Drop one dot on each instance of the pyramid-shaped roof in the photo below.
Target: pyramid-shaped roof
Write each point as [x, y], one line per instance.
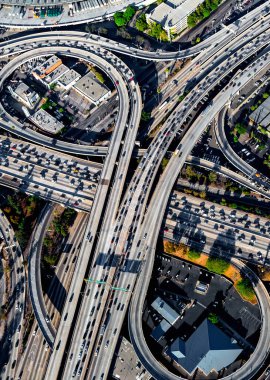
[207, 348]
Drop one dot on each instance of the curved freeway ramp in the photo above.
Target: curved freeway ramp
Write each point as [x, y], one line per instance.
[227, 173]
[151, 225]
[34, 279]
[229, 152]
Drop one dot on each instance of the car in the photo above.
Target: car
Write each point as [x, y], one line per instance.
[34, 332]
[47, 319]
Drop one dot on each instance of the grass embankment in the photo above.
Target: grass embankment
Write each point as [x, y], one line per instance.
[216, 265]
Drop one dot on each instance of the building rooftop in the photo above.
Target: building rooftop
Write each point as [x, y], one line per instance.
[69, 77]
[160, 330]
[127, 364]
[25, 94]
[90, 87]
[56, 73]
[208, 348]
[47, 67]
[46, 122]
[170, 13]
[261, 115]
[165, 310]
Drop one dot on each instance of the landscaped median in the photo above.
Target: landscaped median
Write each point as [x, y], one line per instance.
[216, 265]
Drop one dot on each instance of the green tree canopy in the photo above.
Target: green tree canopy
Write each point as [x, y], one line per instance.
[129, 13]
[213, 318]
[141, 23]
[245, 288]
[193, 254]
[119, 19]
[217, 265]
[212, 177]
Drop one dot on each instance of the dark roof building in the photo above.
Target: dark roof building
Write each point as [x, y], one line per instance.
[160, 330]
[208, 348]
[261, 116]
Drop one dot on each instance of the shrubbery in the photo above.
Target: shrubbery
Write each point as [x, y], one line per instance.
[141, 23]
[217, 265]
[193, 254]
[245, 288]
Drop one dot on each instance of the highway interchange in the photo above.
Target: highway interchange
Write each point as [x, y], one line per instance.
[120, 237]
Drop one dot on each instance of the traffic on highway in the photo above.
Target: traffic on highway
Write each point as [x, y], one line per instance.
[126, 199]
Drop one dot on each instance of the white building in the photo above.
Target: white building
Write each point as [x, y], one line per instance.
[68, 79]
[24, 94]
[43, 120]
[91, 88]
[173, 14]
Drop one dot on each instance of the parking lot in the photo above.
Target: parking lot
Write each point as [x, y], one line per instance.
[176, 282]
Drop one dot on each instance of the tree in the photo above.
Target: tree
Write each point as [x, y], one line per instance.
[265, 95]
[141, 23]
[203, 194]
[212, 177]
[155, 30]
[191, 20]
[98, 75]
[245, 289]
[190, 172]
[145, 116]
[193, 254]
[119, 19]
[102, 30]
[129, 13]
[240, 128]
[217, 265]
[164, 163]
[50, 259]
[213, 318]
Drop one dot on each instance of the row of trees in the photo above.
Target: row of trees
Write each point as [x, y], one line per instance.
[202, 11]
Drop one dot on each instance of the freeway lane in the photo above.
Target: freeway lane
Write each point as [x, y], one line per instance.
[34, 276]
[107, 228]
[100, 364]
[99, 202]
[195, 222]
[152, 223]
[35, 358]
[152, 161]
[13, 337]
[224, 35]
